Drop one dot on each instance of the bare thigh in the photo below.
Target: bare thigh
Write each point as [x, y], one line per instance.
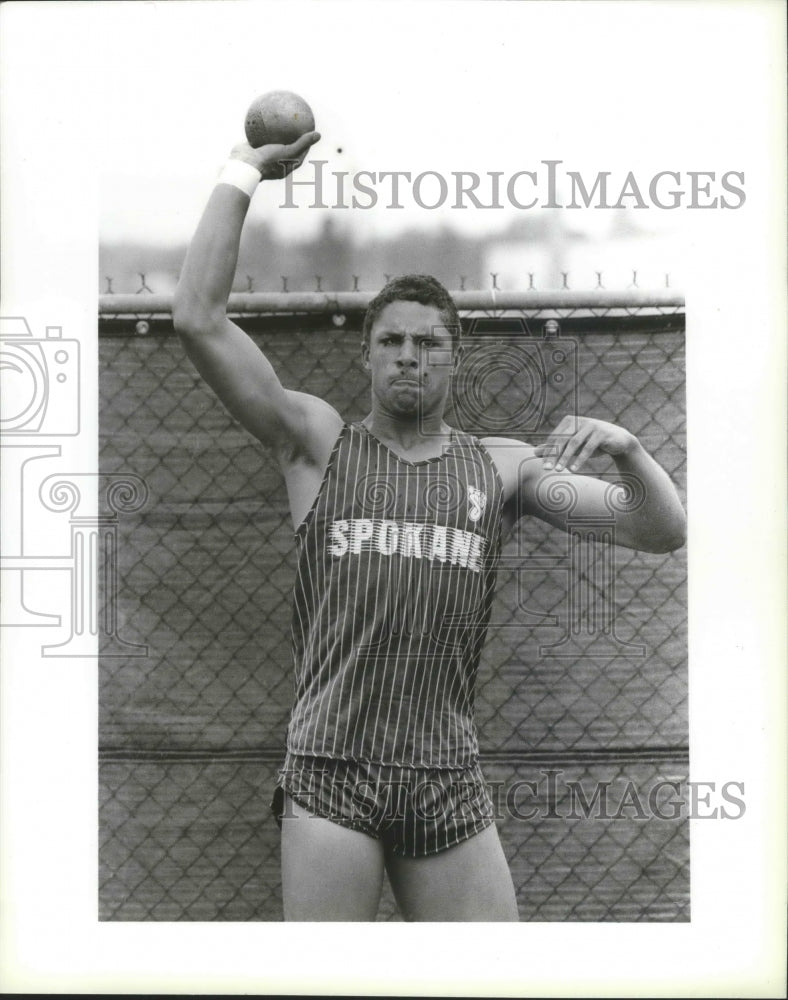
[329, 872]
[470, 881]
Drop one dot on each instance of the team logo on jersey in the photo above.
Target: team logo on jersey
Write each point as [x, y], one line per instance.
[477, 501]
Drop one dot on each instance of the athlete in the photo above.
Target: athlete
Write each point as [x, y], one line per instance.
[398, 522]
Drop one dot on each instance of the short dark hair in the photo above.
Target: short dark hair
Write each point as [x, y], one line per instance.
[422, 288]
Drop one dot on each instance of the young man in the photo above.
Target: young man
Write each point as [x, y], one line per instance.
[398, 522]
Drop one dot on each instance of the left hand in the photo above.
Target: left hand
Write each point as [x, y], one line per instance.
[576, 439]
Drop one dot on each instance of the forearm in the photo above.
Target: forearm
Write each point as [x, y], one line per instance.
[658, 522]
[200, 302]
[208, 271]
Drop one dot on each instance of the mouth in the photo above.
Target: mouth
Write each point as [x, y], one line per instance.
[406, 381]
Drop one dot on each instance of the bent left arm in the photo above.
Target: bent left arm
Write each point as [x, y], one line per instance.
[654, 522]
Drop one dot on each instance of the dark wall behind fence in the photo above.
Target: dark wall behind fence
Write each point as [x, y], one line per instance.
[191, 734]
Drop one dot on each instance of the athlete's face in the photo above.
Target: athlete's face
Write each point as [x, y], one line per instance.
[411, 357]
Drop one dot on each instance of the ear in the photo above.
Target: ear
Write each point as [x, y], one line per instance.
[365, 355]
[456, 356]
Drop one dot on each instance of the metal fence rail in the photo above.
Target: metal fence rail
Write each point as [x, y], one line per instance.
[192, 733]
[493, 299]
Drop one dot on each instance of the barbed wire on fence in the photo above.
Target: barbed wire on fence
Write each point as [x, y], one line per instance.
[249, 284]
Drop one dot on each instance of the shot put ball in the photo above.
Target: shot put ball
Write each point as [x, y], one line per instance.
[278, 116]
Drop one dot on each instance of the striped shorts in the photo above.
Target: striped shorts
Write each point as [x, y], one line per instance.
[414, 811]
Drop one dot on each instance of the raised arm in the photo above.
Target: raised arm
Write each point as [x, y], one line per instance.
[297, 426]
[543, 482]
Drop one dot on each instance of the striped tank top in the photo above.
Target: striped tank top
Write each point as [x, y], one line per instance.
[395, 580]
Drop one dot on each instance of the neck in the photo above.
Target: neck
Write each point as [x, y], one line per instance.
[428, 434]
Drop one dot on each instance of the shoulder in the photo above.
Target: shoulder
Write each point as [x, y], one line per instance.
[314, 407]
[320, 426]
[502, 445]
[516, 461]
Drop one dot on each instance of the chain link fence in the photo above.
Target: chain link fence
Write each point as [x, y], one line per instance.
[592, 689]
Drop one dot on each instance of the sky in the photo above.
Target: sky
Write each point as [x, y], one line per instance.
[432, 86]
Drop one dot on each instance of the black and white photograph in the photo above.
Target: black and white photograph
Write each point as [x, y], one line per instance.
[392, 526]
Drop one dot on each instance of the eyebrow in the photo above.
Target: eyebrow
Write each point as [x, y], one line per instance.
[437, 331]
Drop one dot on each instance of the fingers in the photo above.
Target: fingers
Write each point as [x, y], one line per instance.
[290, 157]
[570, 445]
[301, 145]
[295, 152]
[553, 448]
[576, 439]
[577, 459]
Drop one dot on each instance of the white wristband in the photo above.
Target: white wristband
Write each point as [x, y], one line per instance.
[241, 175]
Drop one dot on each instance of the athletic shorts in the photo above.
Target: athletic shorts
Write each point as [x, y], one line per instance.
[414, 811]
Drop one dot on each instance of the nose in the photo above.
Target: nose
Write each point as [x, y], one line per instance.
[408, 354]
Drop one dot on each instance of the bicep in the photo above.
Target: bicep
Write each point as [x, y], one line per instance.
[245, 381]
[582, 504]
[570, 502]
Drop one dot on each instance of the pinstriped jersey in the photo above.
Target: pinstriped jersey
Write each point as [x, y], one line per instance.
[395, 580]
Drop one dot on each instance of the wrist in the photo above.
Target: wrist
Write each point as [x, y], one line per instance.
[241, 175]
[632, 448]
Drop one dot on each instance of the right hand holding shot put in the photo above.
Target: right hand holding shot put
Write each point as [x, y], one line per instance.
[279, 129]
[275, 160]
